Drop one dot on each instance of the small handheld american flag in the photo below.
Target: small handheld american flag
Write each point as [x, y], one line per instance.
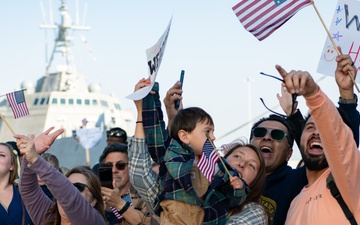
[208, 160]
[17, 103]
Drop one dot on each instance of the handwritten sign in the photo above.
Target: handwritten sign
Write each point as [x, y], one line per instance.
[345, 31]
[154, 57]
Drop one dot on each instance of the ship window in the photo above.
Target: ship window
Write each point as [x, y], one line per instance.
[94, 102]
[71, 101]
[62, 101]
[42, 101]
[36, 101]
[104, 103]
[47, 101]
[78, 101]
[117, 106]
[54, 101]
[87, 102]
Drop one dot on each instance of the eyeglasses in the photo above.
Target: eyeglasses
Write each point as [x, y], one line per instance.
[119, 165]
[294, 96]
[275, 134]
[117, 133]
[81, 187]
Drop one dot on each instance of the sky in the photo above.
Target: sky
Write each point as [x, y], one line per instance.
[221, 59]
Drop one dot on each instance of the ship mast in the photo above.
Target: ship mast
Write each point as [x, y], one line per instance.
[63, 42]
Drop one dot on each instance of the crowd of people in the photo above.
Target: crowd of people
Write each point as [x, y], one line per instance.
[158, 175]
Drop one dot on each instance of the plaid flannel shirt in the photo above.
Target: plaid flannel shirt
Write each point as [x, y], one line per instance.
[252, 213]
[175, 162]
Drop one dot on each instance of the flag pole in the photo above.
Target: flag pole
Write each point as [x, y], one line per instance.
[15, 91]
[219, 156]
[333, 42]
[7, 124]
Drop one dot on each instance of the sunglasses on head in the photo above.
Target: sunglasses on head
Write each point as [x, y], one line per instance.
[81, 187]
[119, 165]
[275, 134]
[117, 133]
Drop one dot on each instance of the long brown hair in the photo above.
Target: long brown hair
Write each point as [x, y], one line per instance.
[94, 186]
[257, 186]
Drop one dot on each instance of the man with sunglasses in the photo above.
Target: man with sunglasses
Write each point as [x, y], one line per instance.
[116, 135]
[124, 205]
[274, 136]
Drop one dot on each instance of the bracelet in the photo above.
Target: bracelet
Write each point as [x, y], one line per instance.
[348, 101]
[139, 121]
[124, 208]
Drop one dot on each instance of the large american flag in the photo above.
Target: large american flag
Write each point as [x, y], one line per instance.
[263, 17]
[17, 103]
[208, 160]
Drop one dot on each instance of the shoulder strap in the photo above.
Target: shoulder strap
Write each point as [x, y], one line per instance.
[336, 194]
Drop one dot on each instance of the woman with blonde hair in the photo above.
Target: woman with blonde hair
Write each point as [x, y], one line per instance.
[12, 210]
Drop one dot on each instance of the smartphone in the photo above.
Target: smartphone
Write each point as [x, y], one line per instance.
[177, 102]
[105, 176]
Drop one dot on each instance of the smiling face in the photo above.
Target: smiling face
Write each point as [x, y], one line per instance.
[246, 162]
[275, 152]
[311, 148]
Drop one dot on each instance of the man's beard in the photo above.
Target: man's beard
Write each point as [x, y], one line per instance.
[314, 163]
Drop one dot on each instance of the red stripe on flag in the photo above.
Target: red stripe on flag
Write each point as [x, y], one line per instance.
[17, 103]
[262, 18]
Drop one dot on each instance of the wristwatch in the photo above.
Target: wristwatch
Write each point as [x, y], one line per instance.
[348, 101]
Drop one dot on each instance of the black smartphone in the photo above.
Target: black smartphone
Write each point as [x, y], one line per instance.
[177, 102]
[105, 176]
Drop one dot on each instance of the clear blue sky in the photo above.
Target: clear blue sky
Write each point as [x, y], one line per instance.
[206, 40]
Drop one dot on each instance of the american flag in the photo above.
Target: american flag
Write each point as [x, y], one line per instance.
[17, 103]
[208, 160]
[263, 17]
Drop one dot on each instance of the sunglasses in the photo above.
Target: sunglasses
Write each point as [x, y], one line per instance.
[81, 187]
[118, 133]
[119, 165]
[275, 134]
[293, 96]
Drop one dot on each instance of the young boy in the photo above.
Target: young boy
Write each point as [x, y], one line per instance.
[185, 187]
[183, 190]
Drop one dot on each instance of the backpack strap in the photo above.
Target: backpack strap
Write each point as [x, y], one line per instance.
[331, 185]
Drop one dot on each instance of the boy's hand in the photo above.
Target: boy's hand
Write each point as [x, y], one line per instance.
[236, 182]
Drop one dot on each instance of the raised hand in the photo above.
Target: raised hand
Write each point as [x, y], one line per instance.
[344, 68]
[45, 140]
[27, 147]
[140, 84]
[298, 82]
[174, 93]
[286, 101]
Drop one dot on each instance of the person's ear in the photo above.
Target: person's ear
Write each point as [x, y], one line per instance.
[184, 136]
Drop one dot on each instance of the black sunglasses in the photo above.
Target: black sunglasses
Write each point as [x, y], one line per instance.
[119, 165]
[81, 187]
[275, 134]
[294, 96]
